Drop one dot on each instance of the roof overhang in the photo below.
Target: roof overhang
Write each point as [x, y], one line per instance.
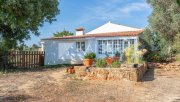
[111, 34]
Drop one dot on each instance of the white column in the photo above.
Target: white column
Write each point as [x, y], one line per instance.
[136, 44]
[96, 46]
[128, 40]
[42, 46]
[123, 45]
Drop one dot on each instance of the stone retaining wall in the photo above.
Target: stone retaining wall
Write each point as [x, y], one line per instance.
[92, 73]
[166, 66]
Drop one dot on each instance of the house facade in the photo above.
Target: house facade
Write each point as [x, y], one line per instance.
[106, 39]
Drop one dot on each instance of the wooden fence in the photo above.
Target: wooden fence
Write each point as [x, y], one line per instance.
[23, 59]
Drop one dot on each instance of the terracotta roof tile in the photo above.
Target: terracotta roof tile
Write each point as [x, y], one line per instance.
[112, 34]
[79, 29]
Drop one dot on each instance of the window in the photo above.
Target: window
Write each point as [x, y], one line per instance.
[110, 46]
[104, 46]
[125, 44]
[132, 42]
[113, 46]
[100, 51]
[80, 46]
[117, 46]
[120, 45]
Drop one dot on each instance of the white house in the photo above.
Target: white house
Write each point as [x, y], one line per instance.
[108, 38]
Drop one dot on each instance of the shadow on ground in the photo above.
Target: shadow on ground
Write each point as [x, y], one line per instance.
[39, 69]
[177, 100]
[149, 75]
[14, 98]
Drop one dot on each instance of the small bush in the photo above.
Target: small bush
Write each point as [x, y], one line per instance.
[116, 64]
[117, 54]
[155, 57]
[101, 63]
[91, 55]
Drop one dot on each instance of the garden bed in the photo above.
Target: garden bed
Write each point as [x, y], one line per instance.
[125, 72]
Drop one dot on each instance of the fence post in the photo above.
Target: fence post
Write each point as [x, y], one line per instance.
[23, 59]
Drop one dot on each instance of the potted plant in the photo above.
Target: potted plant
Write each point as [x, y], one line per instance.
[117, 56]
[116, 64]
[109, 60]
[101, 63]
[89, 59]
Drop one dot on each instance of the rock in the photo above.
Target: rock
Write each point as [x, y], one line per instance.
[79, 78]
[163, 63]
[85, 78]
[102, 76]
[83, 74]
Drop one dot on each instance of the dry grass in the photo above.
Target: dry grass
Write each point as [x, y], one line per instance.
[56, 86]
[177, 58]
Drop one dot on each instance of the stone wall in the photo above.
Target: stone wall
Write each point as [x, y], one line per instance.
[92, 73]
[165, 66]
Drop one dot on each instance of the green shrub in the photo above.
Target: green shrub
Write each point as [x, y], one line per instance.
[91, 55]
[86, 56]
[101, 63]
[117, 54]
[159, 49]
[116, 64]
[155, 57]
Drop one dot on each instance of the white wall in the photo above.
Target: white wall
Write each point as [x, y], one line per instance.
[64, 52]
[91, 45]
[79, 32]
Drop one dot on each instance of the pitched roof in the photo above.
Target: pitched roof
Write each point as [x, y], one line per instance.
[111, 34]
[107, 30]
[111, 27]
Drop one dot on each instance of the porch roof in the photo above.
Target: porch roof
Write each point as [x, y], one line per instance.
[110, 34]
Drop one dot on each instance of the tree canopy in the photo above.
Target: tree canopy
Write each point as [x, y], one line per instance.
[21, 18]
[165, 18]
[162, 36]
[178, 1]
[63, 33]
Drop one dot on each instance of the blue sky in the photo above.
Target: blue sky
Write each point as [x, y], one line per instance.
[93, 13]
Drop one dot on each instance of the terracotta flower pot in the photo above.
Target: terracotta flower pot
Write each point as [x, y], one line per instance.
[109, 60]
[71, 70]
[116, 58]
[88, 62]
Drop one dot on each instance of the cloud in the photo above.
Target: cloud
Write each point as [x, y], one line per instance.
[112, 10]
[134, 7]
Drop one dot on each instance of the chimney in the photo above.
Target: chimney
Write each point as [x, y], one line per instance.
[79, 31]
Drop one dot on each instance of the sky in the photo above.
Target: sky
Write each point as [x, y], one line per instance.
[91, 14]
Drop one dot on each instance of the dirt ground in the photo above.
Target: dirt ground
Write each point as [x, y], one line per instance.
[54, 86]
